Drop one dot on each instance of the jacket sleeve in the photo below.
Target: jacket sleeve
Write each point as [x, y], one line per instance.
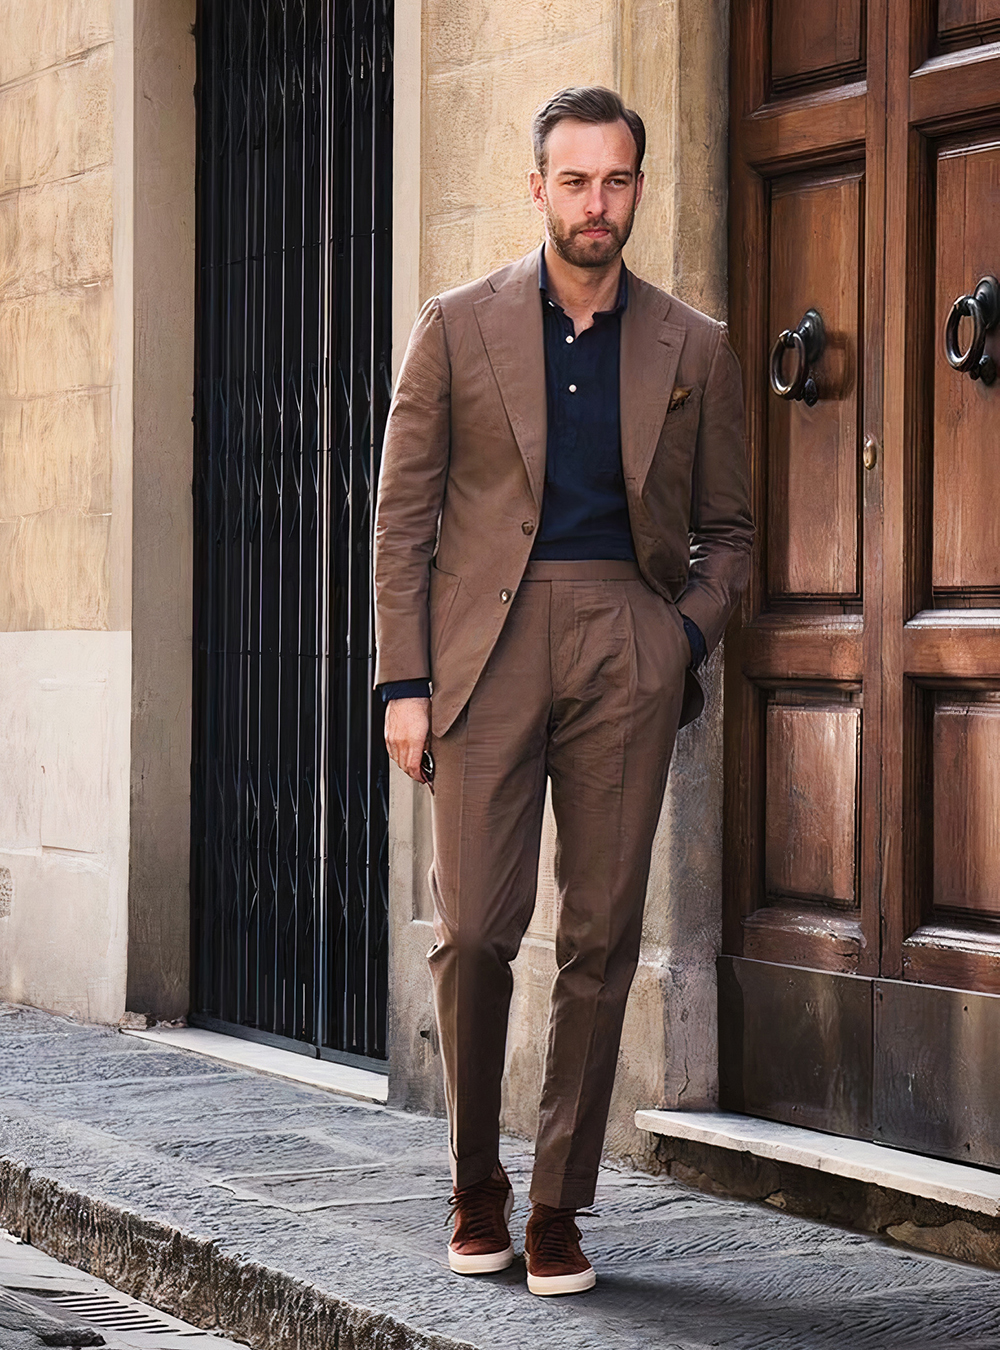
[410, 494]
[721, 522]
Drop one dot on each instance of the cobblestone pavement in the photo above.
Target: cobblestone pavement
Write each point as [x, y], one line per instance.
[350, 1198]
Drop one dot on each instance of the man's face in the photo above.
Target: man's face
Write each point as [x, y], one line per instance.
[589, 192]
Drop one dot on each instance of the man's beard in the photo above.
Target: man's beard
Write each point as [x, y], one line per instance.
[587, 252]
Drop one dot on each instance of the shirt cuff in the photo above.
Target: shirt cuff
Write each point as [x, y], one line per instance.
[696, 641]
[406, 689]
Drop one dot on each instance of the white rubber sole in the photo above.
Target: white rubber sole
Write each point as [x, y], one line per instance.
[490, 1262]
[480, 1265]
[547, 1285]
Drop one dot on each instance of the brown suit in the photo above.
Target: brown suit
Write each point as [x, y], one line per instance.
[571, 673]
[465, 446]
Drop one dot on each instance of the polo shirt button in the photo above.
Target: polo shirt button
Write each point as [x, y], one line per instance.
[572, 389]
[505, 596]
[528, 527]
[569, 338]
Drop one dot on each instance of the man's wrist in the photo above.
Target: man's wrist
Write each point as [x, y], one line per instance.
[405, 689]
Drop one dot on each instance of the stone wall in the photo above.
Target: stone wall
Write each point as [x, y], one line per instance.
[162, 529]
[64, 503]
[95, 378]
[469, 74]
[56, 317]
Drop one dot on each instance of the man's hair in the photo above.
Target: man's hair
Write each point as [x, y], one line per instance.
[584, 103]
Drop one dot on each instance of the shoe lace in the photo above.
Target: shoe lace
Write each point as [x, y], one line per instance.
[558, 1236]
[478, 1208]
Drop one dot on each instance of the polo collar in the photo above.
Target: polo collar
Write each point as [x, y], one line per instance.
[621, 302]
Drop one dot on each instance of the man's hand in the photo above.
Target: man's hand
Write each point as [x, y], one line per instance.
[407, 727]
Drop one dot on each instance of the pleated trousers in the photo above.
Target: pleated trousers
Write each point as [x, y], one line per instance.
[584, 689]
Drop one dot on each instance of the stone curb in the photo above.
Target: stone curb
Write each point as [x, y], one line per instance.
[191, 1277]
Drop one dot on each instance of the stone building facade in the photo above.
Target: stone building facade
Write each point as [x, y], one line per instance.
[97, 295]
[96, 311]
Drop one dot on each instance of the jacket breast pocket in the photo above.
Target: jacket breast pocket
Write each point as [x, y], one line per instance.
[683, 410]
[678, 438]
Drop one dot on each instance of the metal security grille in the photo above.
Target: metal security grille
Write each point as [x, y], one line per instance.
[289, 791]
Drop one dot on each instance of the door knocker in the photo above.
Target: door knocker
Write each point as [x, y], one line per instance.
[807, 342]
[983, 308]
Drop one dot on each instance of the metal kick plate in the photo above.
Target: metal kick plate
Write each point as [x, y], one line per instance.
[937, 1071]
[795, 1045]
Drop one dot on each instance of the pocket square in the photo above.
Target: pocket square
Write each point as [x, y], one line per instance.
[679, 397]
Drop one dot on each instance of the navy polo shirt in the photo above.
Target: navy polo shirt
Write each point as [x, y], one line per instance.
[584, 509]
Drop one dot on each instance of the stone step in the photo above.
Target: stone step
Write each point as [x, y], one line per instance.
[949, 1183]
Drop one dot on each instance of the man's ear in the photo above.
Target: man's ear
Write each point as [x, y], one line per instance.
[537, 185]
[640, 183]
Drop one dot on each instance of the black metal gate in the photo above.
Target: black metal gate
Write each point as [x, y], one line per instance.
[289, 786]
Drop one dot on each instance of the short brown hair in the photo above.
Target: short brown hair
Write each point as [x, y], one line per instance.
[585, 103]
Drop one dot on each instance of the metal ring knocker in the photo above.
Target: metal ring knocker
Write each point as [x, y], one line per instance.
[983, 308]
[807, 342]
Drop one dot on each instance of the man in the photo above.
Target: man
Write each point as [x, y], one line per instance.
[562, 531]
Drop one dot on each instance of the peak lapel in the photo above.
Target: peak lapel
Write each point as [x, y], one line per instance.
[650, 351]
[510, 321]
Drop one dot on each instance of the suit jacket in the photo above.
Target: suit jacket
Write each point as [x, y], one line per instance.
[463, 471]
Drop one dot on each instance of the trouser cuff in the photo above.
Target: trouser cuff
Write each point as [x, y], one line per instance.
[467, 1171]
[562, 1192]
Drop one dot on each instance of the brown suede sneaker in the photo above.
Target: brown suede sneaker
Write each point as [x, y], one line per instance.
[481, 1243]
[556, 1265]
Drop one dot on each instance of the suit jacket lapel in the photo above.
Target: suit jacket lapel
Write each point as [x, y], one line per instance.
[650, 351]
[510, 321]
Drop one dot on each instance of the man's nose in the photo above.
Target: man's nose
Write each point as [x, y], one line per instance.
[595, 201]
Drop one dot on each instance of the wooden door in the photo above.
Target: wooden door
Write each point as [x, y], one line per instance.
[860, 986]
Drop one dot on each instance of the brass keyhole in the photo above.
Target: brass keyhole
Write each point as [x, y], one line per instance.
[869, 456]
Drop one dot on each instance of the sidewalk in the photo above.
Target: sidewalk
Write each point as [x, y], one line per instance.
[291, 1217]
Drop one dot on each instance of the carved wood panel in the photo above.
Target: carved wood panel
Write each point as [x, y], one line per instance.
[966, 434]
[811, 799]
[954, 14]
[963, 23]
[814, 43]
[816, 245]
[966, 769]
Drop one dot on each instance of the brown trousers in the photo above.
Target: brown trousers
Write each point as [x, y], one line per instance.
[584, 687]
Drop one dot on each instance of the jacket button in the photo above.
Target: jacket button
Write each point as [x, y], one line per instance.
[505, 596]
[528, 527]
